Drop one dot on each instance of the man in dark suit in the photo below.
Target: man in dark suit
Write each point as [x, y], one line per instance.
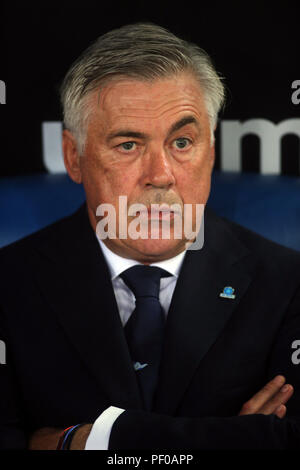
[140, 107]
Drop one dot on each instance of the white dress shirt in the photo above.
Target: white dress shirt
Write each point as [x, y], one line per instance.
[99, 436]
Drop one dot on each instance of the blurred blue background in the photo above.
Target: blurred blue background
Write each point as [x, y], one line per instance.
[266, 204]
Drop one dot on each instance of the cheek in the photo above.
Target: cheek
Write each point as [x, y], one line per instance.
[193, 180]
[105, 180]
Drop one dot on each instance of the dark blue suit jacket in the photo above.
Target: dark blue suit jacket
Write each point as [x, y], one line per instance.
[67, 358]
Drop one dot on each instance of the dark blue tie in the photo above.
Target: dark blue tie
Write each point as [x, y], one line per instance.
[144, 330]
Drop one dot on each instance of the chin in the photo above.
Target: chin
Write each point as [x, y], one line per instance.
[158, 249]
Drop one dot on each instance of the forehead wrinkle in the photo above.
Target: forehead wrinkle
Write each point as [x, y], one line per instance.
[150, 105]
[118, 122]
[185, 81]
[173, 111]
[125, 101]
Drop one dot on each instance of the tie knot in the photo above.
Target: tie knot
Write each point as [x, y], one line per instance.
[144, 281]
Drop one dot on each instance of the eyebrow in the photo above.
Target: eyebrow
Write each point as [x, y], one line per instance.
[181, 123]
[141, 135]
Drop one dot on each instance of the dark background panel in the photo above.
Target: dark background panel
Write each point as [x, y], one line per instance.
[254, 46]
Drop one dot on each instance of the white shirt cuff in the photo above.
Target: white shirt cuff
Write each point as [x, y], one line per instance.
[99, 436]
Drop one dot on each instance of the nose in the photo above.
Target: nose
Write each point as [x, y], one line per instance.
[157, 169]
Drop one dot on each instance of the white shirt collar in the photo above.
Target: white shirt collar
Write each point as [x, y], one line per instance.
[117, 264]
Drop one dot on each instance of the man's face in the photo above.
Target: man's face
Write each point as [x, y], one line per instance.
[150, 142]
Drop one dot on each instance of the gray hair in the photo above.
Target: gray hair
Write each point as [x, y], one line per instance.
[143, 51]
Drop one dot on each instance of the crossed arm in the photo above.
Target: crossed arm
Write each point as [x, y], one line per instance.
[270, 400]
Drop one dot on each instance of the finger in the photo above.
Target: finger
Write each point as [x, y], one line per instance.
[278, 399]
[280, 412]
[263, 396]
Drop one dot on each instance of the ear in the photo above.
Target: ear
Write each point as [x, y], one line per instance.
[71, 156]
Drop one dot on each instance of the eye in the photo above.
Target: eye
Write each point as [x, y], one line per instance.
[127, 146]
[182, 143]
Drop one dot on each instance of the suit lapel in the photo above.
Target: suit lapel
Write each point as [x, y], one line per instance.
[86, 307]
[197, 313]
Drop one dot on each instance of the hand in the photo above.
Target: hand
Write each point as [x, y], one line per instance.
[47, 438]
[270, 399]
[44, 439]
